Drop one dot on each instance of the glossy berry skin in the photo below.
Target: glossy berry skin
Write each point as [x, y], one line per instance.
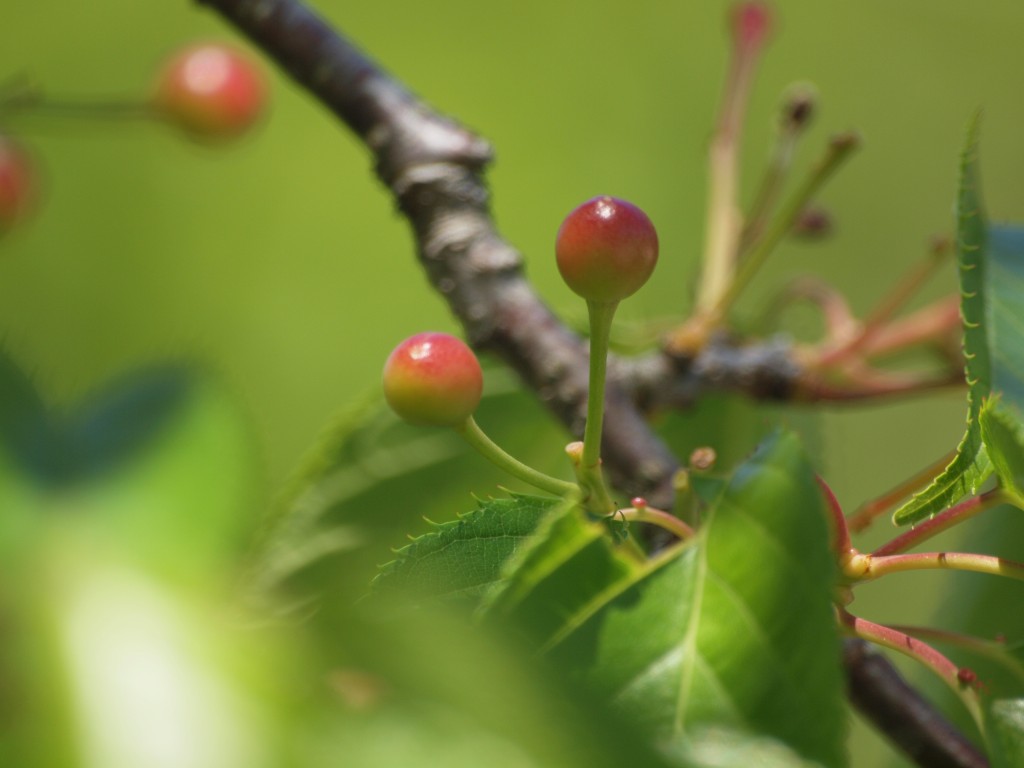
[16, 184]
[211, 92]
[433, 379]
[606, 249]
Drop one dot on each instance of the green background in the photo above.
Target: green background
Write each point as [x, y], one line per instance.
[281, 263]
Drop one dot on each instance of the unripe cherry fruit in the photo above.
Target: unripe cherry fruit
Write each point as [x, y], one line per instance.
[16, 184]
[211, 92]
[606, 249]
[433, 379]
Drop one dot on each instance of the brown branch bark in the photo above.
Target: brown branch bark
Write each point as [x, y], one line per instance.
[434, 167]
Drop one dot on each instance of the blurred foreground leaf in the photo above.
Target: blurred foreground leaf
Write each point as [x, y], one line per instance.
[1007, 738]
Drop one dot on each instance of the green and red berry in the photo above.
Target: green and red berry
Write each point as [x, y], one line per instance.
[211, 92]
[606, 249]
[16, 184]
[433, 379]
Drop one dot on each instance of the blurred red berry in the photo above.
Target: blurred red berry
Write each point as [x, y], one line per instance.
[606, 249]
[16, 184]
[211, 91]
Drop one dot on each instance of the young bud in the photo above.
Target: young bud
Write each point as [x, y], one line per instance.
[813, 224]
[433, 379]
[798, 107]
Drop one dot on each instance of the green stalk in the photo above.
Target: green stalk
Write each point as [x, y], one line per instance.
[598, 499]
[838, 150]
[471, 432]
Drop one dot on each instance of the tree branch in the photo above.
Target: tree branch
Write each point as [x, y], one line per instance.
[879, 693]
[434, 167]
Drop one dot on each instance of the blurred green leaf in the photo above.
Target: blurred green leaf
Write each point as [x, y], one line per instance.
[1003, 433]
[733, 627]
[728, 748]
[971, 466]
[349, 503]
[116, 667]
[468, 693]
[162, 461]
[1006, 720]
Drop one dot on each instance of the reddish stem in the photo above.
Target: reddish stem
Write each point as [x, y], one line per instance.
[917, 650]
[878, 319]
[867, 513]
[919, 534]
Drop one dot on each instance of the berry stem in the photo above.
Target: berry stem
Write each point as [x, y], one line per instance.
[657, 517]
[917, 650]
[590, 475]
[30, 101]
[724, 220]
[944, 521]
[472, 434]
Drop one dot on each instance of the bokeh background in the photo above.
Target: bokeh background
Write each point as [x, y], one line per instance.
[281, 263]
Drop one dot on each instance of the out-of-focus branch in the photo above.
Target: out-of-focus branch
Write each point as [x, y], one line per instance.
[897, 710]
[434, 167]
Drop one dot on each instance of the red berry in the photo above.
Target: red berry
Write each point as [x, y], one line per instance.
[16, 184]
[433, 379]
[606, 249]
[211, 92]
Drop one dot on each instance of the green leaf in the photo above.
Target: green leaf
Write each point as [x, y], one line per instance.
[1006, 739]
[1003, 433]
[570, 565]
[349, 503]
[463, 558]
[734, 627]
[971, 466]
[1004, 293]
